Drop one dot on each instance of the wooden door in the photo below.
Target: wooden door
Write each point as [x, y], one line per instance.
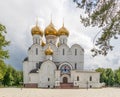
[65, 80]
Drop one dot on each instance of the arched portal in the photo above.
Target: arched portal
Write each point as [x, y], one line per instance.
[65, 80]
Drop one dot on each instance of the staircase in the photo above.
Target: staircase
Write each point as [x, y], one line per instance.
[66, 85]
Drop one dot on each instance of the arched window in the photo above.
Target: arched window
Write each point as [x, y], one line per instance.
[90, 78]
[36, 51]
[75, 52]
[77, 78]
[75, 65]
[63, 51]
[65, 69]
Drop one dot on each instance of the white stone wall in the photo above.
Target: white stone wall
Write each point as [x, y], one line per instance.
[84, 79]
[46, 71]
[33, 78]
[25, 72]
[32, 56]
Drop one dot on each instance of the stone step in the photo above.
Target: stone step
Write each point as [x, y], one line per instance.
[66, 85]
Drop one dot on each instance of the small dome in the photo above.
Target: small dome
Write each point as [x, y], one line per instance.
[63, 31]
[50, 30]
[36, 30]
[43, 43]
[49, 51]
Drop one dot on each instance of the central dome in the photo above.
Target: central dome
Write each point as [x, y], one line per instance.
[50, 30]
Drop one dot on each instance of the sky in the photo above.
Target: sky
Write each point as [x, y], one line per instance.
[19, 16]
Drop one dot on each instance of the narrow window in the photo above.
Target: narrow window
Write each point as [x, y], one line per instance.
[39, 40]
[63, 51]
[77, 78]
[90, 78]
[75, 52]
[36, 51]
[90, 86]
[75, 65]
[63, 41]
[36, 40]
[48, 86]
[50, 41]
[48, 79]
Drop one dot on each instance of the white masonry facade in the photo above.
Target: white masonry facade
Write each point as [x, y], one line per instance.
[53, 64]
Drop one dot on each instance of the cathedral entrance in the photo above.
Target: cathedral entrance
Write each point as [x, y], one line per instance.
[65, 80]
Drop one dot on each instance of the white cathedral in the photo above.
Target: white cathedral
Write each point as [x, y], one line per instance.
[53, 64]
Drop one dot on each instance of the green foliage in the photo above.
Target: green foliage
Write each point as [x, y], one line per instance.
[8, 75]
[3, 43]
[12, 77]
[109, 77]
[117, 76]
[106, 15]
[8, 78]
[102, 74]
[3, 53]
[2, 69]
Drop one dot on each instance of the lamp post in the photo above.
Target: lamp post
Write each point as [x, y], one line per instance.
[87, 85]
[21, 83]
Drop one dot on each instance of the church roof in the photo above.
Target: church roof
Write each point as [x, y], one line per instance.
[86, 71]
[34, 71]
[26, 59]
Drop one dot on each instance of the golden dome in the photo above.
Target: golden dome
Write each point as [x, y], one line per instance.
[49, 51]
[43, 43]
[50, 30]
[63, 31]
[36, 30]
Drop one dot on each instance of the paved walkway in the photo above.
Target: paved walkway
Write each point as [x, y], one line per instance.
[17, 92]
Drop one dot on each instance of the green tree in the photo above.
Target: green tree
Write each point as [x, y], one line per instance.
[104, 14]
[2, 70]
[3, 43]
[110, 77]
[103, 77]
[3, 53]
[12, 77]
[117, 76]
[18, 77]
[8, 75]
[8, 78]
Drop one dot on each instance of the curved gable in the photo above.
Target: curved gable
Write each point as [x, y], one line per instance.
[77, 46]
[47, 65]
